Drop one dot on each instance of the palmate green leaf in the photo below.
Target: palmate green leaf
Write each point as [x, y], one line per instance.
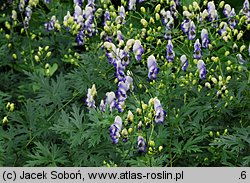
[192, 145]
[98, 128]
[51, 91]
[71, 126]
[45, 155]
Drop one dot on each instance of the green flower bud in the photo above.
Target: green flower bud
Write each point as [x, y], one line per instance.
[151, 143]
[37, 58]
[130, 116]
[211, 134]
[48, 54]
[130, 130]
[227, 53]
[160, 148]
[242, 48]
[12, 107]
[208, 85]
[214, 80]
[218, 133]
[143, 10]
[240, 35]
[5, 120]
[7, 36]
[157, 8]
[14, 56]
[144, 22]
[221, 5]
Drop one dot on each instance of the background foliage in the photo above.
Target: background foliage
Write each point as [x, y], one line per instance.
[51, 125]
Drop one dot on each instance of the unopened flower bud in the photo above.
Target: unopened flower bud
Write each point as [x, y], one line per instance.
[48, 54]
[144, 22]
[157, 16]
[130, 130]
[37, 58]
[143, 10]
[157, 8]
[160, 148]
[242, 48]
[221, 5]
[214, 80]
[151, 143]
[208, 85]
[12, 107]
[227, 53]
[239, 35]
[5, 120]
[130, 116]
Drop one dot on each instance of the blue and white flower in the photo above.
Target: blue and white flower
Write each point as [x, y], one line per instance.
[170, 54]
[191, 31]
[227, 9]
[152, 67]
[115, 129]
[202, 69]
[197, 49]
[90, 97]
[160, 114]
[204, 38]
[184, 62]
[132, 5]
[110, 100]
[232, 20]
[141, 144]
[138, 50]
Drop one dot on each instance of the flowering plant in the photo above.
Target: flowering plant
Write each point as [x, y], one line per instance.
[125, 83]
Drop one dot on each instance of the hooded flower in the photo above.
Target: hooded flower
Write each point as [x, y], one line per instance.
[245, 9]
[191, 31]
[197, 49]
[78, 2]
[138, 50]
[212, 13]
[51, 24]
[132, 4]
[185, 25]
[223, 28]
[184, 62]
[232, 20]
[204, 38]
[106, 17]
[240, 59]
[202, 69]
[121, 18]
[120, 75]
[167, 19]
[77, 12]
[80, 38]
[142, 146]
[227, 10]
[90, 97]
[170, 52]
[115, 129]
[152, 67]
[159, 112]
[102, 106]
[110, 100]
